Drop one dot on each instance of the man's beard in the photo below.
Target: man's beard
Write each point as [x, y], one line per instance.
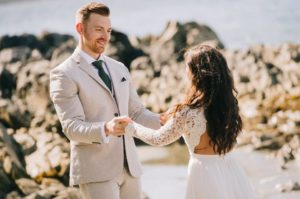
[95, 47]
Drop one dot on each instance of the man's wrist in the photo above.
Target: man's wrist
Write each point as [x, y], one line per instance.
[106, 131]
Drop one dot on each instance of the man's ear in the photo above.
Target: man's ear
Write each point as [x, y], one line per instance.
[79, 28]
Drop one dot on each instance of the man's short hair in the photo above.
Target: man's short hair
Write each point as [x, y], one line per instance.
[83, 14]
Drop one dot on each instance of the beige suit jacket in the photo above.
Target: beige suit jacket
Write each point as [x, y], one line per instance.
[83, 103]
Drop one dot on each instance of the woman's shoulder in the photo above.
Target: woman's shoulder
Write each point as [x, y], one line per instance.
[189, 112]
[193, 111]
[195, 118]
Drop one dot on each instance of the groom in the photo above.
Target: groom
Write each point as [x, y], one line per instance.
[88, 90]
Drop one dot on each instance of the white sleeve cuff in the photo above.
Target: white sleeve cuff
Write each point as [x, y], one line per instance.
[103, 136]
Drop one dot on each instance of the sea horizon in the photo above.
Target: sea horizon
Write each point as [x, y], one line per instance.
[238, 24]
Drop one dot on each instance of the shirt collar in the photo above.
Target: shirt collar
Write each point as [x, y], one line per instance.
[88, 58]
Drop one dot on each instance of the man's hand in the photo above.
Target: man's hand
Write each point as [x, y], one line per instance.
[116, 126]
[163, 118]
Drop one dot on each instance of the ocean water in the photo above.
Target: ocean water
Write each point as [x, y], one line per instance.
[238, 23]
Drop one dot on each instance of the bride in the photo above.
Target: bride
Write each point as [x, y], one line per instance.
[209, 121]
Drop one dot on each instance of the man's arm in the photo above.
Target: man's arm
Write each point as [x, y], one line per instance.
[63, 92]
[139, 113]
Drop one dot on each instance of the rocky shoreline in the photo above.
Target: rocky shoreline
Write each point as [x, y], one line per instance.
[34, 154]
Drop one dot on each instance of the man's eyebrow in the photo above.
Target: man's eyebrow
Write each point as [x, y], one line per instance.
[102, 27]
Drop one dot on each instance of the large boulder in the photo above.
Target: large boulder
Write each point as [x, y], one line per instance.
[46, 43]
[27, 40]
[51, 41]
[121, 49]
[12, 164]
[176, 37]
[159, 75]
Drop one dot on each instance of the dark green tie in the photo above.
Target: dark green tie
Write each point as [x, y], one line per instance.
[102, 73]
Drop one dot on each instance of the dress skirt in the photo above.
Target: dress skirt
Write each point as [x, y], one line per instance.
[217, 177]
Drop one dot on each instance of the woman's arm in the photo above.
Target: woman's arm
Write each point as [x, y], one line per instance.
[170, 132]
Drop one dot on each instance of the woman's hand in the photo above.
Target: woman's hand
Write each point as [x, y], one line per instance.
[164, 117]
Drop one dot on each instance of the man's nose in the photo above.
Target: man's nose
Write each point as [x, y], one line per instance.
[105, 36]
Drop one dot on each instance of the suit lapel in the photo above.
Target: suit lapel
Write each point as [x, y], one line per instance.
[114, 78]
[83, 65]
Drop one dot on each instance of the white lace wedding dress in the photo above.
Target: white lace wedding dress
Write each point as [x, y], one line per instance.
[209, 176]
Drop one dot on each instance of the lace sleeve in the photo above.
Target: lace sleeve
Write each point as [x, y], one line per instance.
[170, 132]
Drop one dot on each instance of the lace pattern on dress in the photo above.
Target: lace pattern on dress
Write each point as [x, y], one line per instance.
[189, 123]
[196, 125]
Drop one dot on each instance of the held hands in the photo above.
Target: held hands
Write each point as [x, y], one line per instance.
[163, 118]
[116, 126]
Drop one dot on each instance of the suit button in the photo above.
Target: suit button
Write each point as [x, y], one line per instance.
[116, 114]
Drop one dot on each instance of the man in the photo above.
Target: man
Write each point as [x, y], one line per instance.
[88, 90]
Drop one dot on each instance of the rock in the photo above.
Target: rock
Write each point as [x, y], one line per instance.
[49, 192]
[32, 72]
[62, 52]
[13, 115]
[7, 184]
[121, 49]
[33, 88]
[69, 193]
[48, 182]
[12, 162]
[51, 159]
[28, 40]
[35, 55]
[196, 34]
[10, 55]
[171, 41]
[288, 187]
[50, 41]
[37, 196]
[7, 83]
[142, 72]
[45, 44]
[175, 38]
[27, 186]
[13, 150]
[54, 39]
[13, 195]
[26, 141]
[51, 188]
[267, 79]
[289, 150]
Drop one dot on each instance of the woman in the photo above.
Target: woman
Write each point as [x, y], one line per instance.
[209, 121]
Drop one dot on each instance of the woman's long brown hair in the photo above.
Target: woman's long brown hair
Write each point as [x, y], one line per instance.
[213, 90]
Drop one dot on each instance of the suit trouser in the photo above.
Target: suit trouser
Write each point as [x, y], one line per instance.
[123, 186]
